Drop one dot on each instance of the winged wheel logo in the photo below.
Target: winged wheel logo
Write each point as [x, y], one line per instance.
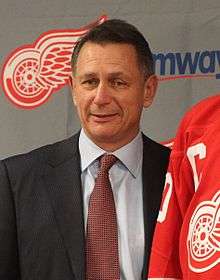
[33, 72]
[204, 236]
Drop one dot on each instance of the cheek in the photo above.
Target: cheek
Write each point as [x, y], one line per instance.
[133, 104]
[82, 106]
[133, 109]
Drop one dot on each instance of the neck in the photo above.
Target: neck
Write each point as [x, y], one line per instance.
[111, 146]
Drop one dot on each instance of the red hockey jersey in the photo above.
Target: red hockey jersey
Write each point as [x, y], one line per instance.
[186, 243]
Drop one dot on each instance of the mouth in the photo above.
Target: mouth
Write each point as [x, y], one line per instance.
[103, 117]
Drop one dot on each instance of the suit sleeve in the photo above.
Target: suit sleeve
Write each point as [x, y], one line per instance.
[9, 267]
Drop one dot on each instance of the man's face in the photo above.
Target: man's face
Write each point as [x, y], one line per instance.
[110, 91]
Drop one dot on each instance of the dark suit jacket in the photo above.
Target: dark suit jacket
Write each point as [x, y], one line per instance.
[41, 210]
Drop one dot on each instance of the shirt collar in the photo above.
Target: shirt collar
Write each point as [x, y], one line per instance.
[89, 151]
[130, 155]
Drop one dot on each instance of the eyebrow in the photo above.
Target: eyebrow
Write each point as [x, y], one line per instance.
[87, 76]
[120, 75]
[117, 74]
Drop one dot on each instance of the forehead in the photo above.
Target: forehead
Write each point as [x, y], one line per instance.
[108, 57]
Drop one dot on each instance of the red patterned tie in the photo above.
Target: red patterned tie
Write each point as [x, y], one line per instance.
[102, 235]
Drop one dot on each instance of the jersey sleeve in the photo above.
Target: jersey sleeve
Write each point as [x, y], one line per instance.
[178, 190]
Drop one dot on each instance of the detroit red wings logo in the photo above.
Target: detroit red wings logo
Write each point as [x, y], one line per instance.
[204, 236]
[33, 72]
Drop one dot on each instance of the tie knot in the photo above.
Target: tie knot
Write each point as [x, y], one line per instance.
[107, 161]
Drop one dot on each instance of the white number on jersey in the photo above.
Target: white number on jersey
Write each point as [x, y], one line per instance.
[193, 151]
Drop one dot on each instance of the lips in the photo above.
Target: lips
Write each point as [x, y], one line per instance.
[103, 117]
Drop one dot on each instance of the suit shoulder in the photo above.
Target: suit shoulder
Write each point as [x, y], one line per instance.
[37, 156]
[156, 147]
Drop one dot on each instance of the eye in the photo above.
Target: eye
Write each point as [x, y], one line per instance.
[119, 83]
[90, 83]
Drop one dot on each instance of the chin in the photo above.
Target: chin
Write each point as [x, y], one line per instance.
[103, 135]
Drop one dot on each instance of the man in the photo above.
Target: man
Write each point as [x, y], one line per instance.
[58, 220]
[187, 238]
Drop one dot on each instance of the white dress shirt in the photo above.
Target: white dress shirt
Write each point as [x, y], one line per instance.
[126, 181]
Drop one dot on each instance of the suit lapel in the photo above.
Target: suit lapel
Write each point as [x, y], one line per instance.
[155, 159]
[63, 181]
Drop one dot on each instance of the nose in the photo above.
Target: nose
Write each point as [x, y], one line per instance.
[103, 95]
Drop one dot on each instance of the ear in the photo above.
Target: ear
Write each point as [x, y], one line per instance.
[72, 84]
[150, 90]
